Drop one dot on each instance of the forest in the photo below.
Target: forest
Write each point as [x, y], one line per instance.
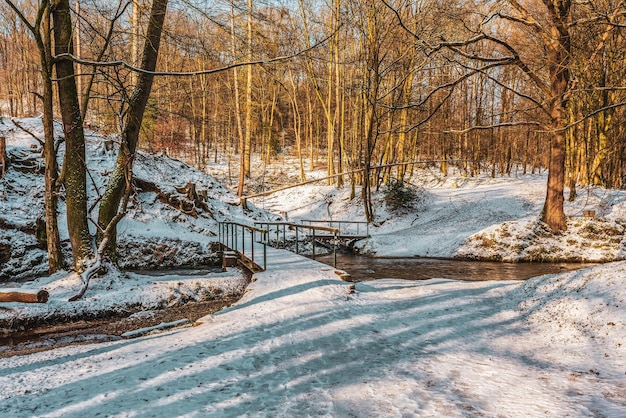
[370, 90]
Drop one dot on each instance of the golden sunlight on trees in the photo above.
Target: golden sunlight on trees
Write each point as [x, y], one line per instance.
[360, 88]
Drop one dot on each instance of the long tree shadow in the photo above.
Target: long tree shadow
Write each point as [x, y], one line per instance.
[285, 367]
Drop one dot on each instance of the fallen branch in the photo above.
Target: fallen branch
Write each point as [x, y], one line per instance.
[35, 137]
[85, 276]
[162, 325]
[24, 295]
[187, 201]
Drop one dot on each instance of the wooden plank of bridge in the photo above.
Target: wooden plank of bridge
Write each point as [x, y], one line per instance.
[250, 265]
[328, 237]
[229, 259]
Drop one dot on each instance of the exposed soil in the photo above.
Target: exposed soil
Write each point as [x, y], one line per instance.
[85, 331]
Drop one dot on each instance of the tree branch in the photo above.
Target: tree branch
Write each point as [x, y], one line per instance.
[122, 63]
[28, 132]
[486, 127]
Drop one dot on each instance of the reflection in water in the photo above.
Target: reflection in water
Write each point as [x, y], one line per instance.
[366, 268]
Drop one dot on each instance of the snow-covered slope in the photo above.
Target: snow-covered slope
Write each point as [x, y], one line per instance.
[153, 233]
[477, 218]
[303, 343]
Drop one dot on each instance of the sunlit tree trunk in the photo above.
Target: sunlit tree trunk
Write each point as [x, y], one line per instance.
[297, 123]
[53, 241]
[559, 50]
[242, 139]
[247, 149]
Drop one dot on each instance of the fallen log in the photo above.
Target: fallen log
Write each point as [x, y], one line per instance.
[24, 295]
[186, 199]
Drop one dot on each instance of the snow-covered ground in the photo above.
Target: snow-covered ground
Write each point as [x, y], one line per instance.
[301, 342]
[481, 217]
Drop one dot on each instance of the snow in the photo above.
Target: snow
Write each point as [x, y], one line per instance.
[480, 217]
[150, 227]
[302, 342]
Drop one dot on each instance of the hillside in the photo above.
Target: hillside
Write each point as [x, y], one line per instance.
[163, 227]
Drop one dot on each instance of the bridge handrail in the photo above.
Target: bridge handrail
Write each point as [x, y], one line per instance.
[250, 227]
[230, 232]
[295, 225]
[228, 237]
[340, 222]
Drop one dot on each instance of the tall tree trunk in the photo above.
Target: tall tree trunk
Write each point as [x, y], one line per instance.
[116, 187]
[41, 34]
[558, 63]
[297, 123]
[553, 213]
[78, 50]
[75, 164]
[248, 144]
[53, 241]
[242, 139]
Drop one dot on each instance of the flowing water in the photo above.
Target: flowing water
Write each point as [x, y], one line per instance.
[417, 268]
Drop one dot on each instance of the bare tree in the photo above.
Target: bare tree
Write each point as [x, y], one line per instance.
[40, 28]
[118, 184]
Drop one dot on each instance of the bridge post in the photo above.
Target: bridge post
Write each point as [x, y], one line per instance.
[265, 252]
[335, 248]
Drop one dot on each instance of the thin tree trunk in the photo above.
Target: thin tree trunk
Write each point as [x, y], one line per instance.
[242, 140]
[75, 163]
[248, 132]
[53, 241]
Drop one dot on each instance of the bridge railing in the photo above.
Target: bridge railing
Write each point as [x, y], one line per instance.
[248, 241]
[283, 227]
[357, 228]
[233, 235]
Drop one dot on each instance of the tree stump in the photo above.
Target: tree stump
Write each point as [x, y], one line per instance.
[189, 191]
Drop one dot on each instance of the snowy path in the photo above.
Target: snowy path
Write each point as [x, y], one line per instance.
[300, 344]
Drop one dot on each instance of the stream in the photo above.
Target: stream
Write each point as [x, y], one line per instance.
[419, 268]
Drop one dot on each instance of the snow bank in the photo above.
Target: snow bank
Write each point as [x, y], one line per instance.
[586, 240]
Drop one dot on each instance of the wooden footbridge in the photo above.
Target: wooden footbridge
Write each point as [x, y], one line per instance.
[248, 243]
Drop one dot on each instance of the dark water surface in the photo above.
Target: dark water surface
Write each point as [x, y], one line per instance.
[418, 268]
